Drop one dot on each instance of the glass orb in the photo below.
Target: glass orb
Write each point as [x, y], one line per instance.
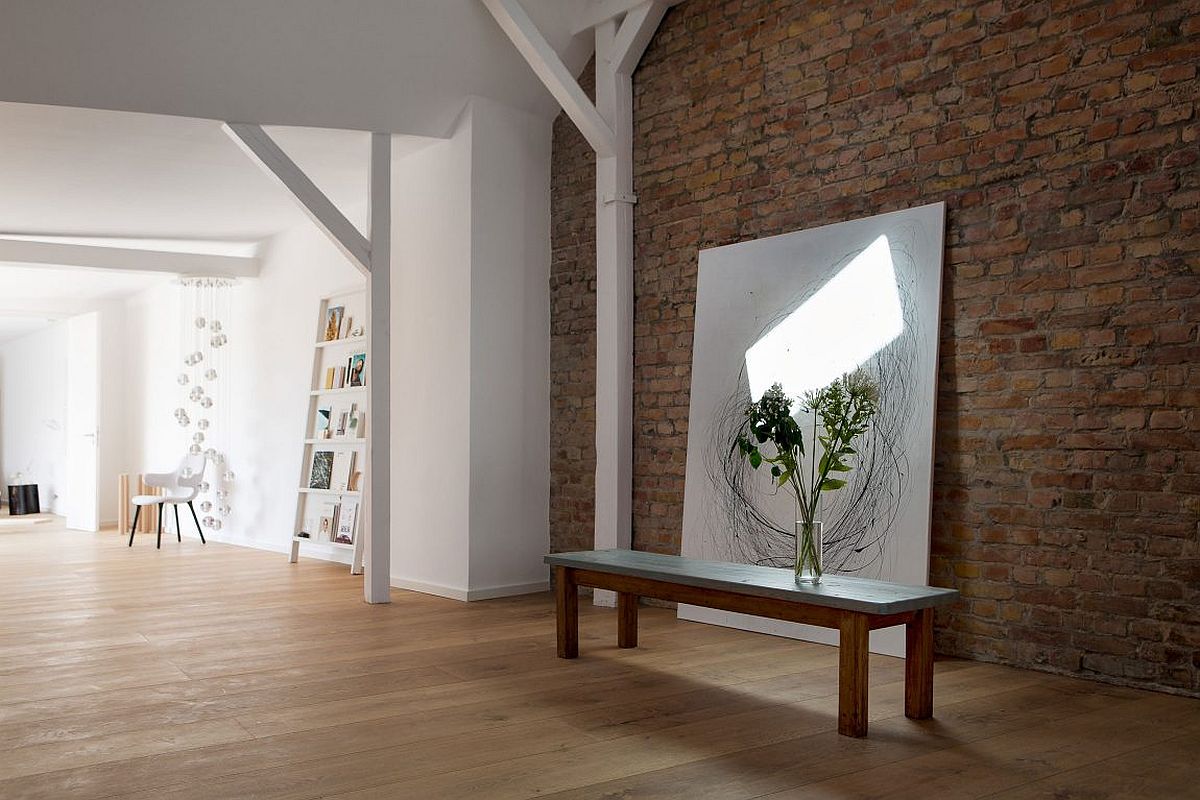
[206, 506]
[215, 327]
[196, 393]
[180, 412]
[219, 340]
[208, 522]
[229, 476]
[219, 458]
[224, 510]
[202, 424]
[206, 402]
[194, 449]
[210, 374]
[197, 357]
[204, 487]
[198, 437]
[201, 322]
[222, 494]
[216, 525]
[182, 379]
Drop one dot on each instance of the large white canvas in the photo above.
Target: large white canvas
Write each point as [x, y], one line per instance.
[818, 302]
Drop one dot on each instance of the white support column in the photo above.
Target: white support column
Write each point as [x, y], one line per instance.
[614, 307]
[376, 586]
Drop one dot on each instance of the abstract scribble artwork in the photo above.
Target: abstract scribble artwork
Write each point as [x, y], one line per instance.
[801, 309]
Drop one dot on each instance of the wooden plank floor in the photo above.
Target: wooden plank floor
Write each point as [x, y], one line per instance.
[218, 672]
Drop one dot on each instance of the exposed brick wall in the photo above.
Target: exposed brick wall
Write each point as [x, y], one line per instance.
[573, 335]
[1063, 137]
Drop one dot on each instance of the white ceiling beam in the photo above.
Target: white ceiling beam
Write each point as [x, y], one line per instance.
[25, 251]
[599, 11]
[635, 33]
[550, 69]
[260, 147]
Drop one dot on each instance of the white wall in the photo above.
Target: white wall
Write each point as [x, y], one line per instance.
[273, 348]
[33, 412]
[510, 349]
[271, 333]
[470, 327]
[112, 443]
[431, 308]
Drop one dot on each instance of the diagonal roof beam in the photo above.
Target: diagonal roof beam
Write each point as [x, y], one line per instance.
[259, 146]
[545, 62]
[635, 33]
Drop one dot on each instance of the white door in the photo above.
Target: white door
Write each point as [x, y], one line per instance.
[83, 406]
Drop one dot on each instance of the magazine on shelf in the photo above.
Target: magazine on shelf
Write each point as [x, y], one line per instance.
[347, 518]
[343, 464]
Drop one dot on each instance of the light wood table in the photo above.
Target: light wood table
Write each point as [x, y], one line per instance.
[853, 606]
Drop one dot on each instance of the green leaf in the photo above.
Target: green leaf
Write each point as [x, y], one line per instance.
[756, 459]
[830, 484]
[776, 472]
[839, 467]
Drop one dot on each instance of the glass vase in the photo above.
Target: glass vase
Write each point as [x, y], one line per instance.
[809, 538]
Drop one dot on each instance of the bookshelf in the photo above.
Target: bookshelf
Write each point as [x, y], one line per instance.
[335, 434]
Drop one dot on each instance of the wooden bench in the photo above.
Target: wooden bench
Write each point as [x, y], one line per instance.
[853, 606]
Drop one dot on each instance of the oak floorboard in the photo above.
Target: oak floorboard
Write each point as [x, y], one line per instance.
[200, 672]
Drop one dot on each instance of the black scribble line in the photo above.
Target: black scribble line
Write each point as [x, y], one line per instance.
[860, 517]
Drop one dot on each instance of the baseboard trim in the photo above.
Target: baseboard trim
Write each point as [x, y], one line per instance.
[511, 590]
[424, 587]
[469, 595]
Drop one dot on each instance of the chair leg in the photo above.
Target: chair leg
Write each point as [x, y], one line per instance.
[158, 543]
[199, 530]
[137, 510]
[178, 530]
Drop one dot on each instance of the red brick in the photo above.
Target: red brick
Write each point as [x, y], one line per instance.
[1064, 140]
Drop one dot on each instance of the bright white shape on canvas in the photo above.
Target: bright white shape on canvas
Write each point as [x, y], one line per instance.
[848, 320]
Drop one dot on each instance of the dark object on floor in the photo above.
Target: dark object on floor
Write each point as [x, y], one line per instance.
[23, 499]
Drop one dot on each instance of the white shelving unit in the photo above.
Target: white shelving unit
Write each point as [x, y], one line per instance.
[326, 354]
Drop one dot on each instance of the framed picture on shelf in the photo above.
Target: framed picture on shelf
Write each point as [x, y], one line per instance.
[333, 322]
[328, 521]
[322, 470]
[358, 370]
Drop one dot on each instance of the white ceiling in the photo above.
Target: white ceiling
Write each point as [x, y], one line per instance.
[80, 172]
[32, 297]
[17, 326]
[405, 66]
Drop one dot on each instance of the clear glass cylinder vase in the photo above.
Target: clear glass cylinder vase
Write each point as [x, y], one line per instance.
[809, 539]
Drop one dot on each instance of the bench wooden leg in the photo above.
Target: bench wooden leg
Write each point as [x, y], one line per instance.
[566, 600]
[853, 650]
[918, 666]
[627, 619]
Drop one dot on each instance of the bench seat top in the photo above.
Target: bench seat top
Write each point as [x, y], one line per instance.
[845, 592]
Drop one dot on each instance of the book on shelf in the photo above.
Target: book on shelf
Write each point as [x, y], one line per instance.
[322, 470]
[347, 519]
[355, 481]
[357, 421]
[343, 464]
